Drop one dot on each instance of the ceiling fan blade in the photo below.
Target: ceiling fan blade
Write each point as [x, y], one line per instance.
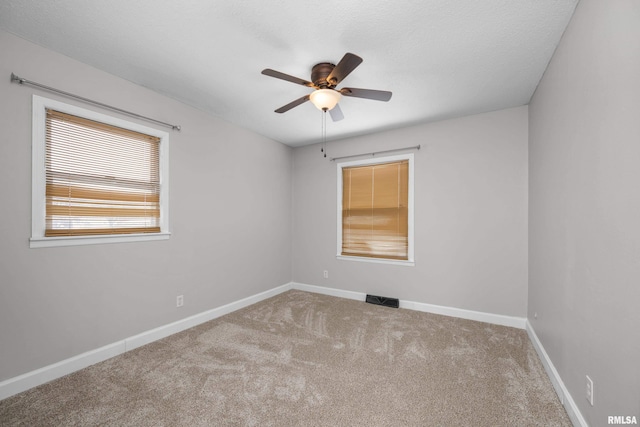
[347, 64]
[278, 75]
[292, 104]
[378, 95]
[336, 113]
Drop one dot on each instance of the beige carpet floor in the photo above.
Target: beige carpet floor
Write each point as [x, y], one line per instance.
[304, 359]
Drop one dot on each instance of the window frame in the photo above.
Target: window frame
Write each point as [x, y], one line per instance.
[38, 177]
[410, 261]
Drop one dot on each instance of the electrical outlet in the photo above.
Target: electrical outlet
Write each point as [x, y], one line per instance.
[179, 300]
[590, 390]
[325, 274]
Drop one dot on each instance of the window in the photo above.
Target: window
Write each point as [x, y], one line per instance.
[96, 179]
[375, 210]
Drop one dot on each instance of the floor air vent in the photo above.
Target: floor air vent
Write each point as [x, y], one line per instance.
[387, 302]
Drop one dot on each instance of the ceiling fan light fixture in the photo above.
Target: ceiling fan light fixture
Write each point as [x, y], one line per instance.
[324, 99]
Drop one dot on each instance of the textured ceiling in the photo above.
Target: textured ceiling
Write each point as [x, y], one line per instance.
[440, 58]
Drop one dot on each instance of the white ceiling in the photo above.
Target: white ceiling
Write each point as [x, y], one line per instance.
[440, 58]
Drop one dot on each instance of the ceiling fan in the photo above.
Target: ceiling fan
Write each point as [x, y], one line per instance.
[324, 79]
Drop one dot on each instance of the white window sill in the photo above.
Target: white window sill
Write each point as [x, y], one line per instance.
[407, 263]
[47, 242]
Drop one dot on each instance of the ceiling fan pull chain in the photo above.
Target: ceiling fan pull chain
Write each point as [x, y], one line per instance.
[324, 132]
[322, 135]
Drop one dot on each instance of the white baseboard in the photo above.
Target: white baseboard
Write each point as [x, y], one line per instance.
[43, 375]
[496, 319]
[359, 296]
[48, 373]
[197, 319]
[565, 397]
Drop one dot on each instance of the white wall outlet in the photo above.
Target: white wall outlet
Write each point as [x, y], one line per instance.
[325, 274]
[179, 300]
[590, 390]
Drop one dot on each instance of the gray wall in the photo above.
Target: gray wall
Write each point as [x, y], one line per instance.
[59, 302]
[470, 215]
[584, 215]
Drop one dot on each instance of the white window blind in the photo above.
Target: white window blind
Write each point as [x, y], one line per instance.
[100, 179]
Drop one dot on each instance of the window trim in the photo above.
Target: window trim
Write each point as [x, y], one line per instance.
[410, 261]
[38, 177]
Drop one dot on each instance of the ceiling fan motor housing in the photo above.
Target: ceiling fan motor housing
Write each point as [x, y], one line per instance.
[319, 74]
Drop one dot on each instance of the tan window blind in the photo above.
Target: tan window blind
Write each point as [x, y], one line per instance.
[375, 210]
[100, 179]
